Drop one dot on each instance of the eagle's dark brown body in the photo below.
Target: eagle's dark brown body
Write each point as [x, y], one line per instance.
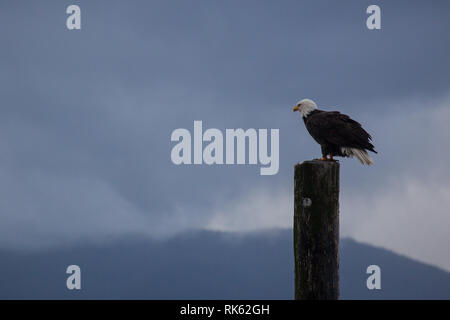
[335, 131]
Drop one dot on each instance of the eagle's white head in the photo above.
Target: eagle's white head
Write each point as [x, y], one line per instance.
[305, 106]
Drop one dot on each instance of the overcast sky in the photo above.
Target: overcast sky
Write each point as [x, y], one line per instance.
[86, 117]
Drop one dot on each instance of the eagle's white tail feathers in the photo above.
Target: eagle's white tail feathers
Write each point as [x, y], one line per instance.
[361, 154]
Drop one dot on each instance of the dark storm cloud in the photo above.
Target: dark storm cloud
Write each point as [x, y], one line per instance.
[86, 116]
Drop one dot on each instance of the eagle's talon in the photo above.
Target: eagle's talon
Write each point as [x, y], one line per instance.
[326, 159]
[332, 159]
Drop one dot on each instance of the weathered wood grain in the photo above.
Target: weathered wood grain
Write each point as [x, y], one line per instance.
[316, 230]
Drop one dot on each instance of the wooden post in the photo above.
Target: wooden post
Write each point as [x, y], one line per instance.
[316, 230]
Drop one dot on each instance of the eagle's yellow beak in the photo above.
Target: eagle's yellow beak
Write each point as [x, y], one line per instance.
[296, 108]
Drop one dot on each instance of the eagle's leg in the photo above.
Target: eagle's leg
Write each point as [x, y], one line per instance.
[324, 154]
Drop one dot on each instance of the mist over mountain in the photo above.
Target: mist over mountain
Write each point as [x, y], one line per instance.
[207, 265]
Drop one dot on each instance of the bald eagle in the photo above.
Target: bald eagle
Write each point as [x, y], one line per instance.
[337, 134]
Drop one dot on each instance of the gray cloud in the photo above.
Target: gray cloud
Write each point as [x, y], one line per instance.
[86, 116]
[401, 203]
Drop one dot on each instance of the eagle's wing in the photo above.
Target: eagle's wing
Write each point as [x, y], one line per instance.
[339, 129]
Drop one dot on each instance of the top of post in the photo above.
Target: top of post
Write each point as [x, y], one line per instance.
[319, 163]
